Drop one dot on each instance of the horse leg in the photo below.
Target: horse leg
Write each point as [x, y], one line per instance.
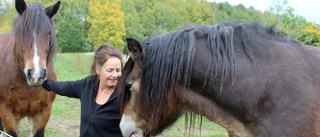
[1, 128]
[9, 123]
[39, 122]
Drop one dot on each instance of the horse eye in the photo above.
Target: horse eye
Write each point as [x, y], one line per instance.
[128, 86]
[49, 38]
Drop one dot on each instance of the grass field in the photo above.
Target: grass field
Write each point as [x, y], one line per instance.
[65, 115]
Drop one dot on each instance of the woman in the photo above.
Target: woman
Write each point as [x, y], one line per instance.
[100, 115]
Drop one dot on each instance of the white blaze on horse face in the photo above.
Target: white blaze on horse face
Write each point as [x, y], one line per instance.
[128, 126]
[36, 64]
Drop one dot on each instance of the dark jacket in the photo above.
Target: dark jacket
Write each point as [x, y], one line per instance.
[102, 123]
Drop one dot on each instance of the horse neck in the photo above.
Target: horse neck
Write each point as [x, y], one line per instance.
[6, 48]
[51, 74]
[8, 59]
[192, 101]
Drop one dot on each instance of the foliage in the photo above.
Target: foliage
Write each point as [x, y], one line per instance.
[107, 23]
[159, 19]
[132, 20]
[83, 25]
[7, 16]
[296, 26]
[293, 24]
[196, 11]
[311, 35]
[70, 27]
[225, 11]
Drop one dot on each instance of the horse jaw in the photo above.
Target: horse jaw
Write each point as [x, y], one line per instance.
[128, 126]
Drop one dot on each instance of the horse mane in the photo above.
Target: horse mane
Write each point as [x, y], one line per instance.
[35, 19]
[124, 93]
[168, 59]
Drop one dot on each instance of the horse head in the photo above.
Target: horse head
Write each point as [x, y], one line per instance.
[136, 118]
[35, 40]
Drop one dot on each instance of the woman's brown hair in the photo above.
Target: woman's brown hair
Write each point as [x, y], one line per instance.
[102, 54]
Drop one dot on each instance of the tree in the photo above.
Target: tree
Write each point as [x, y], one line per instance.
[293, 24]
[161, 16]
[287, 20]
[152, 17]
[132, 20]
[71, 34]
[198, 11]
[278, 7]
[7, 15]
[70, 26]
[161, 19]
[224, 12]
[106, 23]
[311, 35]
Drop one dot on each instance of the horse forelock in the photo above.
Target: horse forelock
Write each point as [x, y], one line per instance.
[34, 22]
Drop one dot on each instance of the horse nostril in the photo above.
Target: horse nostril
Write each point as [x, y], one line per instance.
[43, 74]
[29, 73]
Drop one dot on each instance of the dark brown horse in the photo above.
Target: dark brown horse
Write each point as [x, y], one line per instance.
[250, 79]
[26, 58]
[314, 49]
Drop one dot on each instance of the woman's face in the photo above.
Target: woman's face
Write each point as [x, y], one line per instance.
[110, 72]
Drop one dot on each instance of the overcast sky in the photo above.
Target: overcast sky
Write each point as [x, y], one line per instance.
[309, 9]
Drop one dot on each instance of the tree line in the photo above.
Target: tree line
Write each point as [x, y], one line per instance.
[81, 26]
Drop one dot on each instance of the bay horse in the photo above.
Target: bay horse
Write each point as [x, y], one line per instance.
[251, 79]
[26, 58]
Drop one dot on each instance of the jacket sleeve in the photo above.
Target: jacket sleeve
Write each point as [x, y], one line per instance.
[69, 88]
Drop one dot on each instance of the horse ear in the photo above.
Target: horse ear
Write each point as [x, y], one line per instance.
[21, 6]
[52, 10]
[134, 47]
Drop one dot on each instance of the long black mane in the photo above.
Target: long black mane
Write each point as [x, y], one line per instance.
[168, 59]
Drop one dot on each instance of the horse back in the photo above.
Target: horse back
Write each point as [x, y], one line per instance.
[315, 50]
[276, 83]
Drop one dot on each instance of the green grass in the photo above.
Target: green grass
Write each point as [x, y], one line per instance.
[182, 128]
[65, 114]
[72, 66]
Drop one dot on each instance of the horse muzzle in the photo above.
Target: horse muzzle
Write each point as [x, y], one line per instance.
[128, 127]
[35, 78]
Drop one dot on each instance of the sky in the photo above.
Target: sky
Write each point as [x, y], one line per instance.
[309, 9]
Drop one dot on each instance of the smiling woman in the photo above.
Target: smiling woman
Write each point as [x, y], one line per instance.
[99, 106]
